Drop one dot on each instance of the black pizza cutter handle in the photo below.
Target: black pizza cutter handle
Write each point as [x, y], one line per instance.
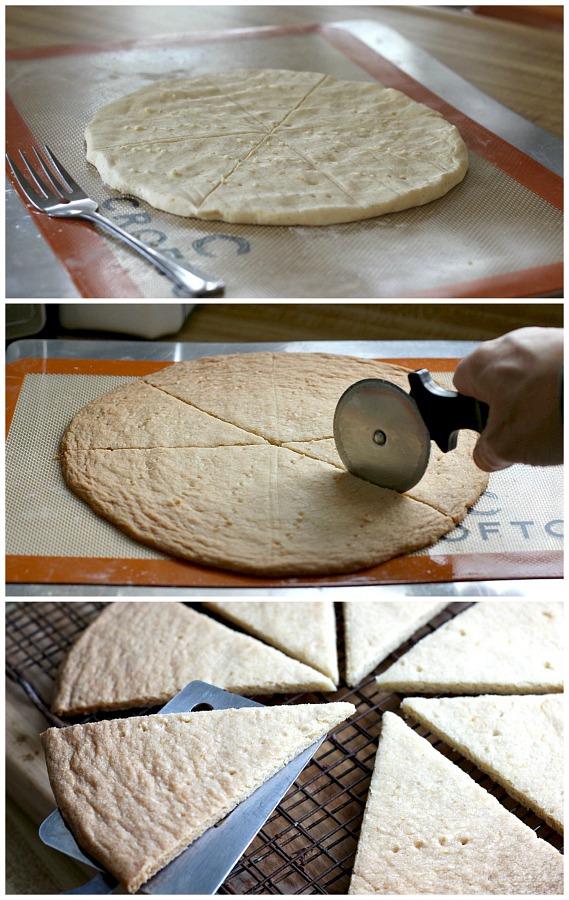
[444, 412]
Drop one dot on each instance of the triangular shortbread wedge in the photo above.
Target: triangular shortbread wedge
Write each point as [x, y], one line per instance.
[494, 647]
[282, 170]
[138, 415]
[304, 630]
[180, 174]
[139, 654]
[373, 629]
[517, 740]
[428, 828]
[135, 792]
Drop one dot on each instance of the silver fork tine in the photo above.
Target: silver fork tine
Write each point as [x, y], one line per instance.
[48, 194]
[27, 189]
[56, 185]
[63, 173]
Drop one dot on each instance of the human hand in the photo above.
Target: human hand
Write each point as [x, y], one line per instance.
[519, 376]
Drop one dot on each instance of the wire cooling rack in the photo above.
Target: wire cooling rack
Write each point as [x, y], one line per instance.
[308, 844]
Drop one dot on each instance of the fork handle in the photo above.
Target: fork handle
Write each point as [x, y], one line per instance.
[182, 276]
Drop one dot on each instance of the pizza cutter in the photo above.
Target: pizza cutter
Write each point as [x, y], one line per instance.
[383, 434]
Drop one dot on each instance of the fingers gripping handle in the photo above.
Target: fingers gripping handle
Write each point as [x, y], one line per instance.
[444, 412]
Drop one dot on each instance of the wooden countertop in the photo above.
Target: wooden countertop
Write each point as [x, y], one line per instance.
[516, 63]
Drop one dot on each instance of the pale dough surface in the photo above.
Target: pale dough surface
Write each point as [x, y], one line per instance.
[135, 792]
[226, 461]
[305, 630]
[428, 828]
[516, 740]
[506, 647]
[375, 628]
[142, 654]
[275, 147]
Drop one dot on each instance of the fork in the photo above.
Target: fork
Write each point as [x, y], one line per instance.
[57, 194]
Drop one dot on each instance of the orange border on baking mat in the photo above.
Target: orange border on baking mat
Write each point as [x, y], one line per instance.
[177, 573]
[24, 569]
[538, 281]
[110, 280]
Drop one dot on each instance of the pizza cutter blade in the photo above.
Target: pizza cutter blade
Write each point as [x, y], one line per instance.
[208, 860]
[383, 434]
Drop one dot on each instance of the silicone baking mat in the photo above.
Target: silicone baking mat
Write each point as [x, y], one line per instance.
[52, 537]
[308, 844]
[498, 234]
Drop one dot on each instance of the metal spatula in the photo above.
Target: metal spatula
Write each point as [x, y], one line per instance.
[205, 864]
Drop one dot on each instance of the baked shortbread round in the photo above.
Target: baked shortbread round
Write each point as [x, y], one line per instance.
[229, 461]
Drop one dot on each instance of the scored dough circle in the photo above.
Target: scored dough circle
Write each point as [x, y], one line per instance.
[229, 462]
[275, 147]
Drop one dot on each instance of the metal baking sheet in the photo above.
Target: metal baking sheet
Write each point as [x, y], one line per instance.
[498, 542]
[498, 234]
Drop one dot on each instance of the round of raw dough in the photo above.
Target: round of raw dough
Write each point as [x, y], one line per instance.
[229, 461]
[275, 147]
